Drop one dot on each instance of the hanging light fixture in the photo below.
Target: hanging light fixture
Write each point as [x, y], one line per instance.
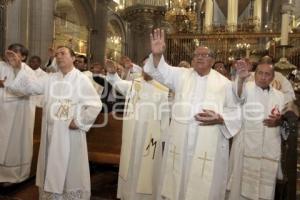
[182, 15]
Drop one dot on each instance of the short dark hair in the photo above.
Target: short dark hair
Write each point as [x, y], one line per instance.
[36, 58]
[217, 62]
[85, 60]
[266, 59]
[19, 48]
[72, 53]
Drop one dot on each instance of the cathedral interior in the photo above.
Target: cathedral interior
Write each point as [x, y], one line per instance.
[109, 29]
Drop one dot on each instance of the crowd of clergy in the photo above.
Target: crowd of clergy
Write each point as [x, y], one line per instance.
[197, 131]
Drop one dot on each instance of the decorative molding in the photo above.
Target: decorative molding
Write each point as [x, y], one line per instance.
[143, 17]
[4, 3]
[146, 12]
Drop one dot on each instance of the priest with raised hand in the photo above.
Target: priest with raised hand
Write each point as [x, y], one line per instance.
[71, 106]
[145, 121]
[17, 113]
[256, 150]
[204, 117]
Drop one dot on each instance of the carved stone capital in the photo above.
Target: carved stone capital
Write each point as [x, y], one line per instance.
[142, 17]
[287, 8]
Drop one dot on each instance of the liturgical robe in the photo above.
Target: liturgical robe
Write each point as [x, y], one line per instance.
[16, 133]
[196, 157]
[39, 98]
[255, 153]
[146, 119]
[282, 84]
[63, 168]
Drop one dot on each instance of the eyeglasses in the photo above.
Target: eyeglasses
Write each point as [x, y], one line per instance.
[204, 55]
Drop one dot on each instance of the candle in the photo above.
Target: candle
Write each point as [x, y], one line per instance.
[285, 29]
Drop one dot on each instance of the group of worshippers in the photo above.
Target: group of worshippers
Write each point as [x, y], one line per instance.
[71, 101]
[172, 149]
[179, 149]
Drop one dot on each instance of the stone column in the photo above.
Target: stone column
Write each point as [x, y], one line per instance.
[17, 22]
[258, 14]
[98, 32]
[142, 20]
[232, 15]
[2, 28]
[41, 27]
[209, 12]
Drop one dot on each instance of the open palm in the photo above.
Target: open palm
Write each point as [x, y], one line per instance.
[158, 42]
[242, 69]
[13, 59]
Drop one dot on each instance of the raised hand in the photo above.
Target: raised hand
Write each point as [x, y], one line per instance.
[242, 69]
[51, 52]
[158, 44]
[13, 59]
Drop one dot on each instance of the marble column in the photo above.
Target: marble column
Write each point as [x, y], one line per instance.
[41, 27]
[258, 14]
[98, 32]
[17, 22]
[2, 28]
[209, 12]
[232, 15]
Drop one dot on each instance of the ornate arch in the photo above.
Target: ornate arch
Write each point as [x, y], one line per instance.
[79, 18]
[115, 27]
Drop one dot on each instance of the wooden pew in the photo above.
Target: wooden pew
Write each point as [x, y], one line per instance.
[104, 142]
[36, 139]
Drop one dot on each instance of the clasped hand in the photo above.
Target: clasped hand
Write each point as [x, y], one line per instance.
[208, 117]
[273, 120]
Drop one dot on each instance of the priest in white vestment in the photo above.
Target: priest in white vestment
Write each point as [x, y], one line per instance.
[256, 150]
[204, 117]
[145, 121]
[16, 121]
[279, 82]
[70, 109]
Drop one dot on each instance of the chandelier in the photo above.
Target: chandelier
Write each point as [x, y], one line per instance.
[182, 15]
[115, 40]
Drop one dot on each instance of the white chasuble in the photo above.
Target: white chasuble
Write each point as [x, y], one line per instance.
[128, 128]
[193, 171]
[262, 147]
[256, 151]
[141, 150]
